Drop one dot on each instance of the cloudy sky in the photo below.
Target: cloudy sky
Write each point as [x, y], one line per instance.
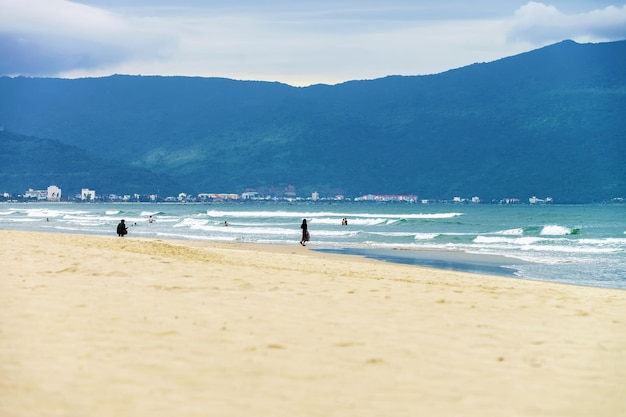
[298, 42]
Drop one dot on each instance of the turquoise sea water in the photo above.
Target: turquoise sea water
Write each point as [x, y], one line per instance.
[576, 244]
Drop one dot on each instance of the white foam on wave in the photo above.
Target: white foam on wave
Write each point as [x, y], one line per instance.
[258, 232]
[432, 216]
[317, 215]
[351, 222]
[44, 213]
[111, 212]
[85, 221]
[511, 232]
[426, 236]
[148, 213]
[541, 246]
[571, 249]
[23, 220]
[53, 213]
[609, 241]
[164, 219]
[392, 234]
[78, 218]
[508, 240]
[555, 230]
[191, 223]
[270, 214]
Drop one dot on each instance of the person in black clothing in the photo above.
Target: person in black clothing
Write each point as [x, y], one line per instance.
[305, 232]
[122, 229]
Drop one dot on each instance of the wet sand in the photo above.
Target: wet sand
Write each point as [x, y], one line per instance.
[452, 260]
[107, 326]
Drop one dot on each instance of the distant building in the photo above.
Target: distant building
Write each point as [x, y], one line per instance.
[37, 194]
[535, 200]
[511, 201]
[87, 195]
[290, 191]
[218, 196]
[408, 198]
[250, 195]
[53, 193]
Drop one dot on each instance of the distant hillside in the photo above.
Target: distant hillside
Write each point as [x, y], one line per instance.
[28, 162]
[549, 123]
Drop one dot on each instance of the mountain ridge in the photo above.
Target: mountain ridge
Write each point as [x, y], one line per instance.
[546, 122]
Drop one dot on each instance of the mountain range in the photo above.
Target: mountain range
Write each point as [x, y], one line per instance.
[550, 122]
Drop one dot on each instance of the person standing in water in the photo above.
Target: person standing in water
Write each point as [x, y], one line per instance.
[305, 232]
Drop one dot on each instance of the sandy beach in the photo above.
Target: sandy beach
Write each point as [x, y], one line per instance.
[107, 326]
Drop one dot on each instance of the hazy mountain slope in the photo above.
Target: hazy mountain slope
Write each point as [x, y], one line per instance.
[28, 162]
[548, 122]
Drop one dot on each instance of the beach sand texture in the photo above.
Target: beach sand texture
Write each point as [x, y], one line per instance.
[107, 326]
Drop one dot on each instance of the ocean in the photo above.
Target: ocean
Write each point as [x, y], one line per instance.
[573, 244]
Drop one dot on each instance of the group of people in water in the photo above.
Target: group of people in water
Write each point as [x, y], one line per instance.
[122, 229]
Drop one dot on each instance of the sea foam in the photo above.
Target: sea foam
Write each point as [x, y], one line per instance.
[555, 230]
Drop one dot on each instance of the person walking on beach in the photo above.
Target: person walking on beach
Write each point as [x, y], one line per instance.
[122, 229]
[305, 232]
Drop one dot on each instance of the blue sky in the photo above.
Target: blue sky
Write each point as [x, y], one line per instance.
[291, 41]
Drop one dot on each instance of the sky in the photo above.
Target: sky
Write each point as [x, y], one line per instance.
[297, 42]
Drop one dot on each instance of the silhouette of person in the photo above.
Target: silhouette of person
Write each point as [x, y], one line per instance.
[305, 232]
[122, 229]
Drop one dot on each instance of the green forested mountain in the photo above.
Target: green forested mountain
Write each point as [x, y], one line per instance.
[548, 123]
[30, 162]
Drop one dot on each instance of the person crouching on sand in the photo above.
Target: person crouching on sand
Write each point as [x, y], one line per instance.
[122, 229]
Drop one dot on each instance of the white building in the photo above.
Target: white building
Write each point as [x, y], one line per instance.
[250, 195]
[54, 193]
[87, 194]
[218, 196]
[38, 194]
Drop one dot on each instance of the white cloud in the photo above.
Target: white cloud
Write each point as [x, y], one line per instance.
[300, 43]
[44, 37]
[538, 23]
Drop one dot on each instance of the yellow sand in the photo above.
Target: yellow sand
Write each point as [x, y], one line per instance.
[108, 326]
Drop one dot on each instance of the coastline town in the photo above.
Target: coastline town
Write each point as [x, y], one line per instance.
[54, 194]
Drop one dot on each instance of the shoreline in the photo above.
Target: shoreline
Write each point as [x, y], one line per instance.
[460, 261]
[101, 326]
[445, 260]
[574, 246]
